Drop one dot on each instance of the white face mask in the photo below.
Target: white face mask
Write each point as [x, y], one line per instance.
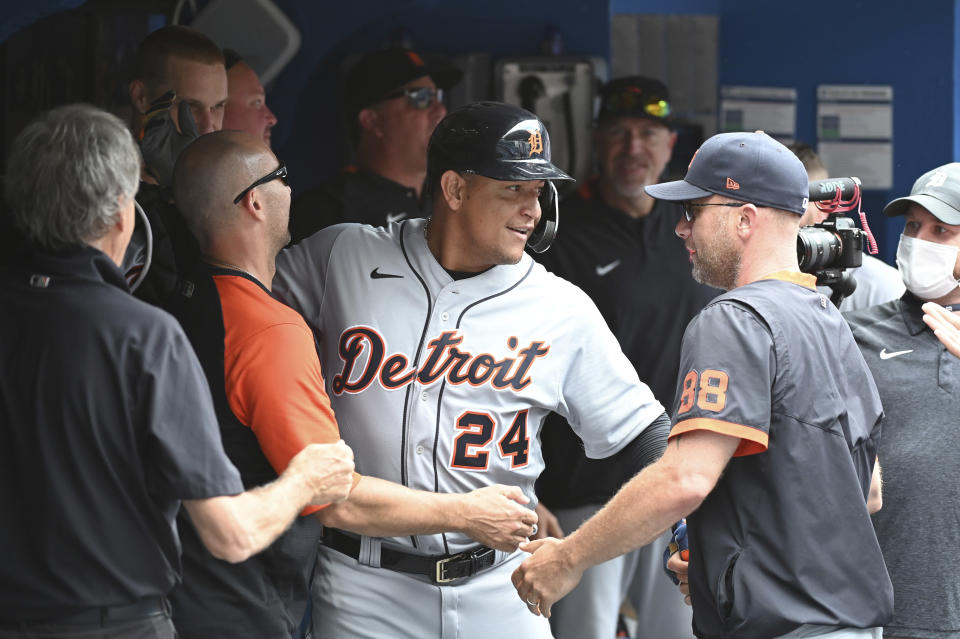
[927, 267]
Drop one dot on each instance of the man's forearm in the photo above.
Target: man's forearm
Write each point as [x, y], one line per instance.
[658, 496]
[496, 515]
[380, 508]
[639, 513]
[234, 527]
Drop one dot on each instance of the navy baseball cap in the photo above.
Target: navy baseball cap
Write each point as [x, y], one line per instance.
[381, 72]
[938, 191]
[750, 167]
[635, 97]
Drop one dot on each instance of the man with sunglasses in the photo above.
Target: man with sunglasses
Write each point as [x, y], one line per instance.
[775, 429]
[618, 244]
[394, 100]
[261, 363]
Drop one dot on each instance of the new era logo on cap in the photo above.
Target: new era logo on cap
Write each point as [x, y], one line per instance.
[732, 185]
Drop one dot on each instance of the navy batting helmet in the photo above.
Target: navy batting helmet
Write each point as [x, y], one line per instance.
[502, 142]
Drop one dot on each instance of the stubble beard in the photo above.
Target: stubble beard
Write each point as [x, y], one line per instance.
[719, 266]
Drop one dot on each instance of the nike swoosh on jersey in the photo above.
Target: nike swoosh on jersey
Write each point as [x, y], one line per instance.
[603, 269]
[377, 275]
[395, 217]
[885, 355]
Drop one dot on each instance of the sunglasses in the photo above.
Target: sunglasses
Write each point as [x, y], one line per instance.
[420, 97]
[279, 173]
[688, 213]
[631, 99]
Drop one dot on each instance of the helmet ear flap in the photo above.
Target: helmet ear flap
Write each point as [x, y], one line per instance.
[546, 230]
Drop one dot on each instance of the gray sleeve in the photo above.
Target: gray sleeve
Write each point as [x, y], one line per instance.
[727, 368]
[601, 396]
[302, 272]
[185, 456]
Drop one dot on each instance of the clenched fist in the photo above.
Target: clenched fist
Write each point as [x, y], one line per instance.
[328, 470]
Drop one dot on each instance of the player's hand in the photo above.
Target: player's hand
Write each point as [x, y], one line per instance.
[162, 140]
[546, 576]
[681, 569]
[495, 516]
[944, 324]
[547, 524]
[327, 469]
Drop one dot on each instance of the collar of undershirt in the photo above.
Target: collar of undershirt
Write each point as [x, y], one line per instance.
[794, 277]
[218, 269]
[463, 275]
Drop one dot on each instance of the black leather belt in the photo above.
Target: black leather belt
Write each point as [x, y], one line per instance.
[440, 569]
[95, 616]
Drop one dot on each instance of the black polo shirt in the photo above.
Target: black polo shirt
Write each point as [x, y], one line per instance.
[106, 423]
[637, 272]
[356, 195]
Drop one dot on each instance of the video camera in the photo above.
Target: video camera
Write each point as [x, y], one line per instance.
[829, 248]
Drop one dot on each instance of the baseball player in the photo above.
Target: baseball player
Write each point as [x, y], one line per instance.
[776, 427]
[444, 346]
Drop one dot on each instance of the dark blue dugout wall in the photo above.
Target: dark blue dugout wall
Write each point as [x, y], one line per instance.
[911, 46]
[305, 96]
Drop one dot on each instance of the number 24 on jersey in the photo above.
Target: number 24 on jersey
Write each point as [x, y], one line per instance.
[470, 447]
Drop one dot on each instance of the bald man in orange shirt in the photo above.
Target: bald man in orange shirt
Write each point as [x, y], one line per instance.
[261, 362]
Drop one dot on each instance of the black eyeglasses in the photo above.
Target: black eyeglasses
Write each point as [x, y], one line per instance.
[631, 99]
[420, 97]
[688, 214]
[279, 173]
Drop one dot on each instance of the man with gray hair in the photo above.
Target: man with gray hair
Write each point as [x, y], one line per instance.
[107, 423]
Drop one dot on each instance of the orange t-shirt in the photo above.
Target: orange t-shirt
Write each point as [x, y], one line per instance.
[272, 373]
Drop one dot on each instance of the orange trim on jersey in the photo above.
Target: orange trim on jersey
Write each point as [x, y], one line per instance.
[752, 440]
[272, 373]
[794, 277]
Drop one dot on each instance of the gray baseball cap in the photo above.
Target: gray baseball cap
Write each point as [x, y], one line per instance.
[938, 191]
[750, 167]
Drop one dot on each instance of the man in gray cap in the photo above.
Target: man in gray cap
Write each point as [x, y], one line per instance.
[775, 429]
[919, 383]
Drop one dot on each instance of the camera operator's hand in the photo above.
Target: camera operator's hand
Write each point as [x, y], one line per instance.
[161, 141]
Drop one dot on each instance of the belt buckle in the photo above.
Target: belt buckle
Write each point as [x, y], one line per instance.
[440, 577]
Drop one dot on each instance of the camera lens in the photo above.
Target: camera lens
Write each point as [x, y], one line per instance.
[817, 248]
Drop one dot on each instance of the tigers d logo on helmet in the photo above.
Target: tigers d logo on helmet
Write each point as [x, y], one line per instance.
[536, 143]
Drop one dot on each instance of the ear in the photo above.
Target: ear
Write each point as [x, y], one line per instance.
[138, 96]
[673, 139]
[453, 187]
[369, 121]
[254, 204]
[746, 221]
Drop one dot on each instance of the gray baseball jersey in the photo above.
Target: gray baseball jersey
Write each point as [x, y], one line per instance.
[442, 385]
